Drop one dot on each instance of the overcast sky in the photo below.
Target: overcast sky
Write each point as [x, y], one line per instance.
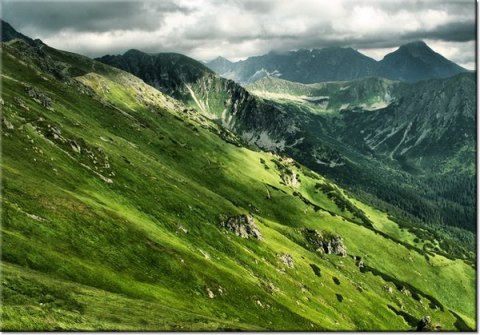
[236, 29]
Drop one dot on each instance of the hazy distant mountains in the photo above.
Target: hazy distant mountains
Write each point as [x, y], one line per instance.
[411, 62]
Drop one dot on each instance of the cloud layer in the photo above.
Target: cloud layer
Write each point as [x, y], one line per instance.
[237, 29]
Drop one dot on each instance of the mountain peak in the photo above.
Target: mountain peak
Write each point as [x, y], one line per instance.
[9, 33]
[220, 59]
[416, 48]
[417, 61]
[416, 44]
[219, 64]
[133, 52]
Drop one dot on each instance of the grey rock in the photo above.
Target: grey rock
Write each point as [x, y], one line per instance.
[325, 242]
[38, 97]
[8, 124]
[424, 323]
[388, 289]
[75, 146]
[20, 102]
[242, 225]
[359, 262]
[287, 259]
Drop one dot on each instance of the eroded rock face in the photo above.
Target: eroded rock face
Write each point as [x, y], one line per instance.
[242, 225]
[325, 242]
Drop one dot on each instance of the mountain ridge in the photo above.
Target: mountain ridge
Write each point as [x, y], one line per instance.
[9, 33]
[318, 65]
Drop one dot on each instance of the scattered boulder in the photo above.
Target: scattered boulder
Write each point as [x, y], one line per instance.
[8, 124]
[242, 225]
[388, 289]
[204, 254]
[20, 102]
[325, 242]
[55, 133]
[359, 262]
[289, 177]
[425, 323]
[287, 259]
[210, 293]
[39, 97]
[406, 291]
[182, 229]
[272, 288]
[75, 146]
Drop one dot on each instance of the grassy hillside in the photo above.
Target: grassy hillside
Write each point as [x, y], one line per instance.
[424, 174]
[113, 195]
[407, 134]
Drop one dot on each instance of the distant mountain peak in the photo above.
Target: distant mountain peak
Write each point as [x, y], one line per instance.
[220, 59]
[417, 48]
[219, 64]
[411, 62]
[416, 61]
[133, 52]
[418, 43]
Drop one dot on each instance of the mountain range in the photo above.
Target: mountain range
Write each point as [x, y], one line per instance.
[411, 62]
[349, 140]
[144, 192]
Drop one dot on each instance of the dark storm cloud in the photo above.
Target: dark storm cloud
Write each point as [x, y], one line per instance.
[454, 32]
[88, 16]
[205, 29]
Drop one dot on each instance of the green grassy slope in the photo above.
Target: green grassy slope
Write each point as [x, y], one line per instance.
[112, 198]
[407, 134]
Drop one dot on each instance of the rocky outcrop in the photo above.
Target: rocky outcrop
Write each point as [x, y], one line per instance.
[290, 178]
[325, 242]
[38, 97]
[359, 262]
[388, 289]
[287, 259]
[242, 225]
[425, 323]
